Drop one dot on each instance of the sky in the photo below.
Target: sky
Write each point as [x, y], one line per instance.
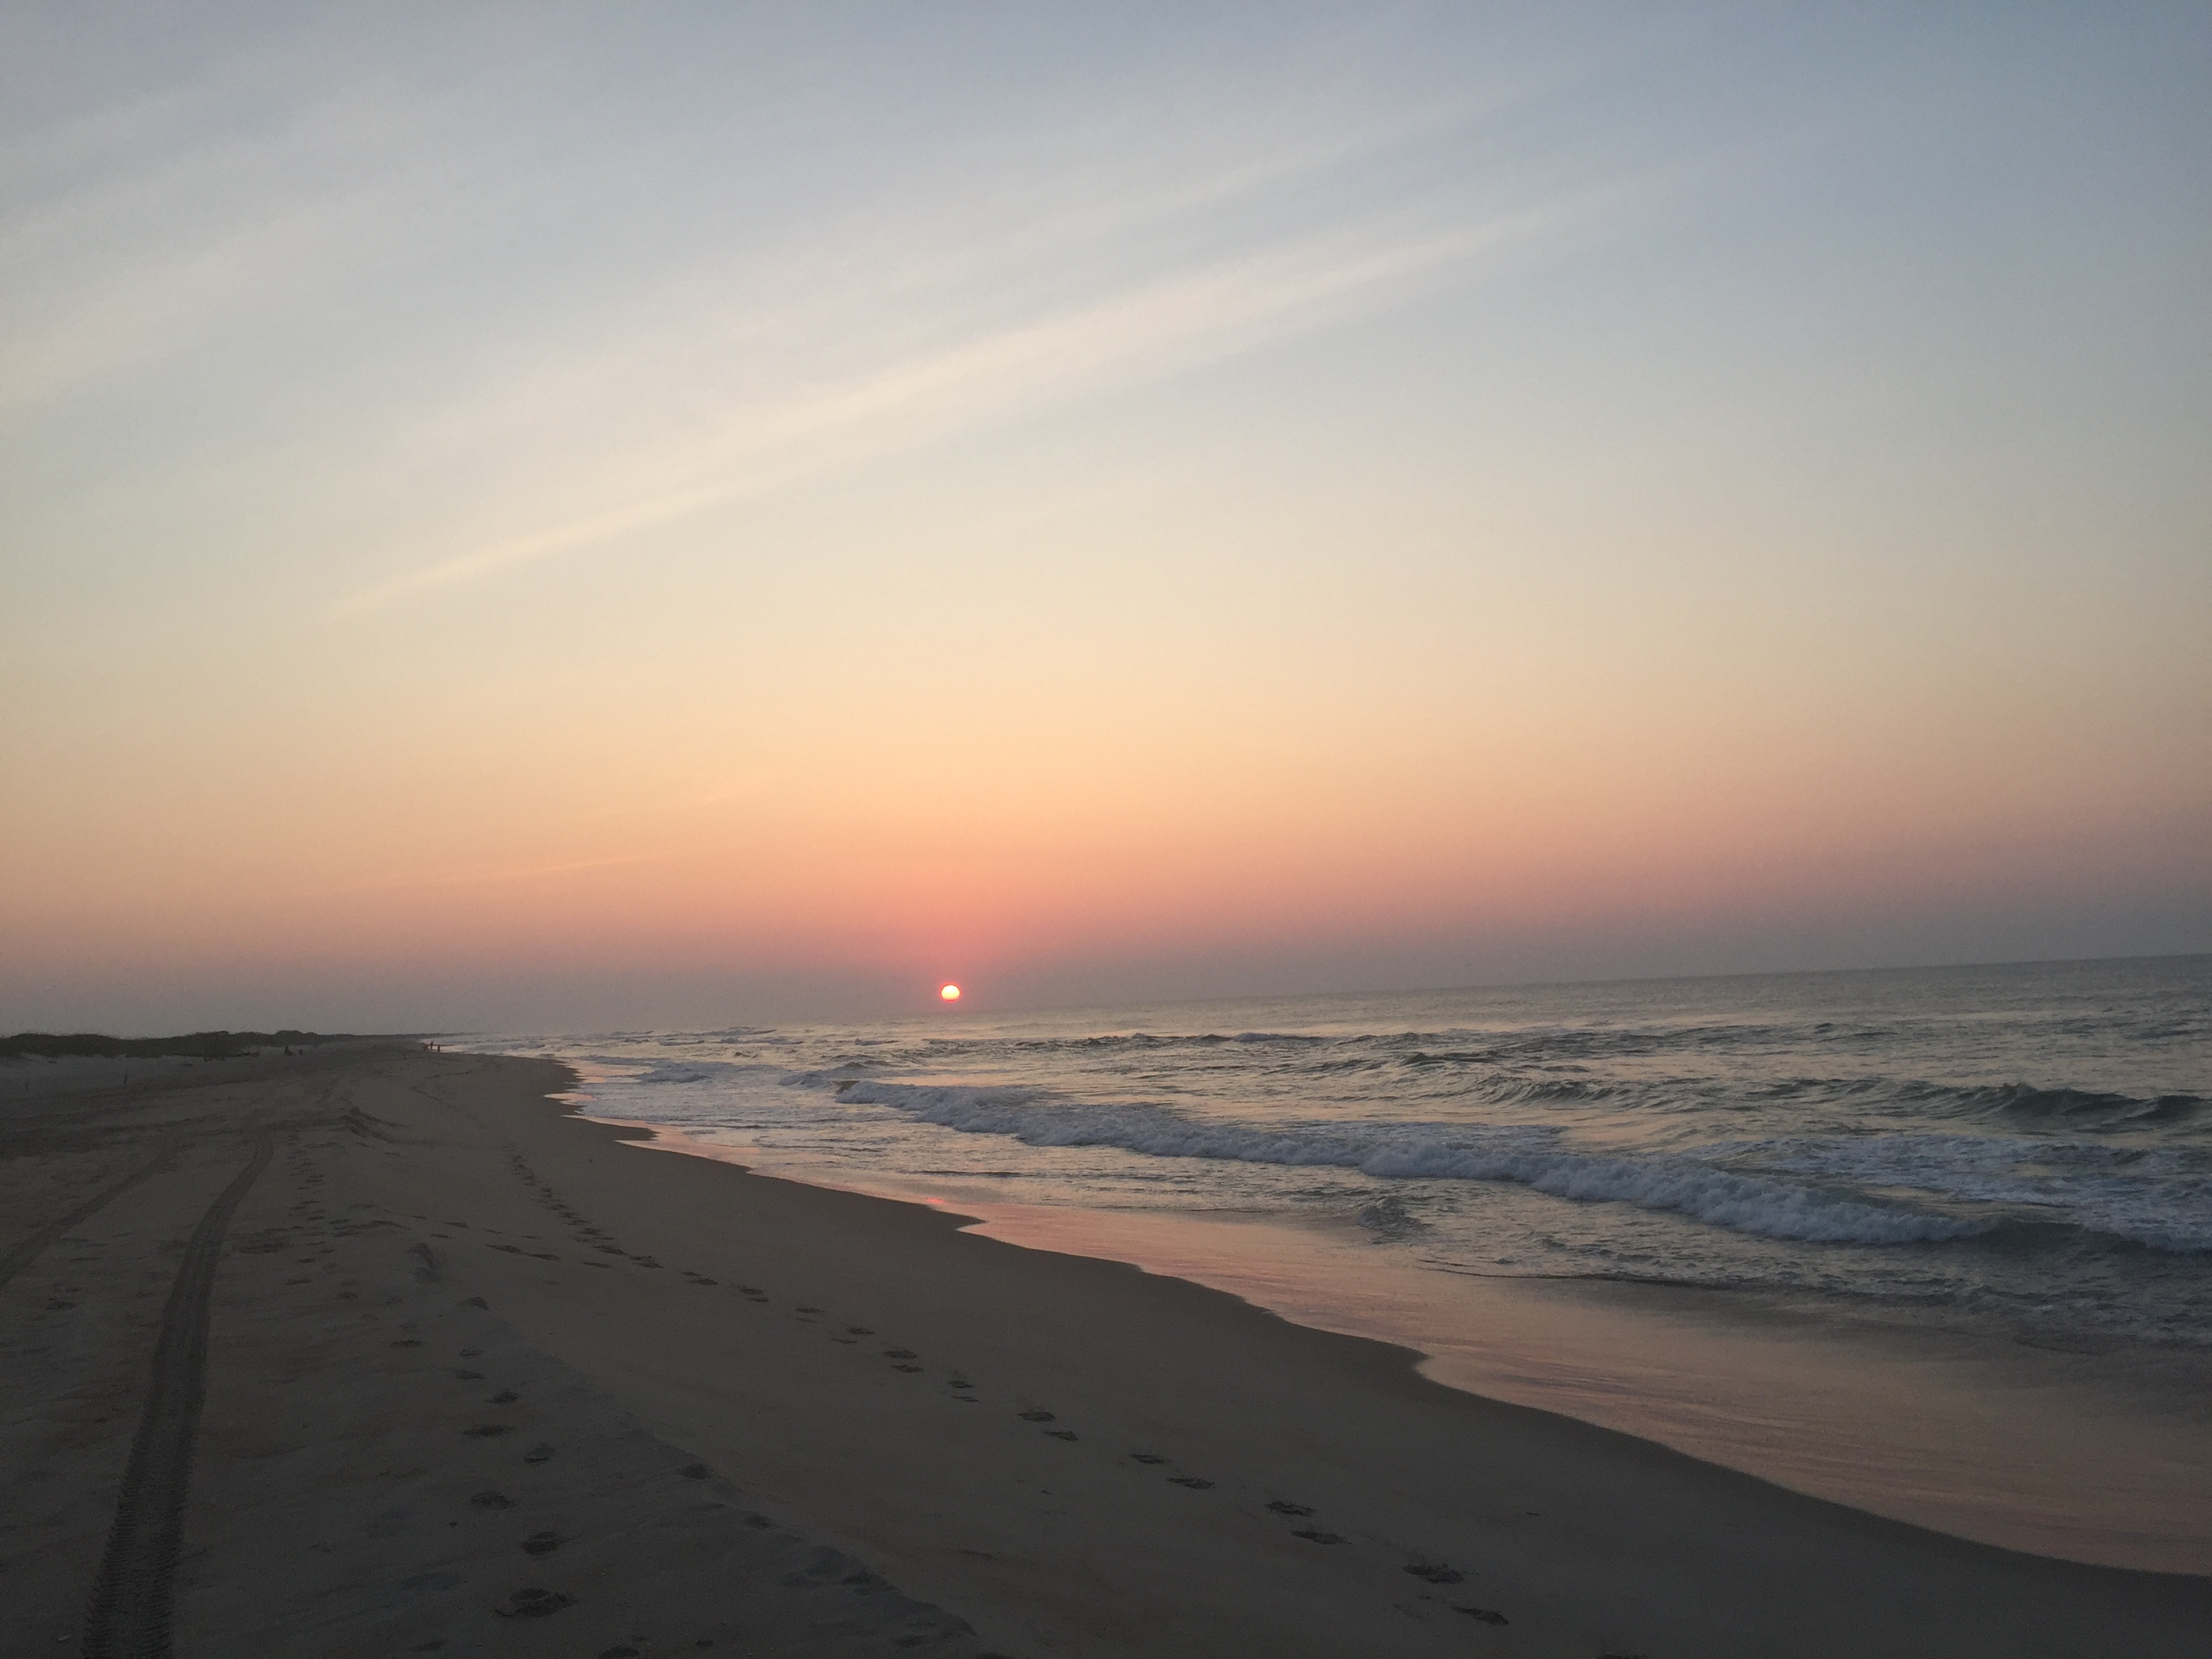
[564, 517]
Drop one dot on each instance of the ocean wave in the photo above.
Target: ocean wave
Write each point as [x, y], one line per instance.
[2027, 1102]
[1526, 1155]
[1110, 1041]
[1388, 1217]
[2159, 1198]
[682, 1071]
[1457, 1045]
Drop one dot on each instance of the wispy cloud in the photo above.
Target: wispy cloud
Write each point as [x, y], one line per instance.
[1152, 330]
[545, 368]
[540, 543]
[478, 875]
[140, 229]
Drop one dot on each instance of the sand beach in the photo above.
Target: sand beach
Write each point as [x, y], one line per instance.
[377, 1351]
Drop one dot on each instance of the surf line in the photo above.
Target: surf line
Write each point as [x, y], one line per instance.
[129, 1616]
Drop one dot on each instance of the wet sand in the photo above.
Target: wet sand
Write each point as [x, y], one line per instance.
[2097, 1457]
[472, 1377]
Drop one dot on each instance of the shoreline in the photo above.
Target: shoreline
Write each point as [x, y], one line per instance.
[1211, 1478]
[2056, 1454]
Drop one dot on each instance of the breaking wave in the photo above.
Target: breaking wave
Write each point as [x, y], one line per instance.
[2030, 1145]
[2159, 1197]
[2028, 1103]
[1530, 1156]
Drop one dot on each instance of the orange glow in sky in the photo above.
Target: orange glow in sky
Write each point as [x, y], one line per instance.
[1391, 506]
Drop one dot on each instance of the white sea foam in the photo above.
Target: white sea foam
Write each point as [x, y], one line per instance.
[2150, 1196]
[1528, 1154]
[2158, 1197]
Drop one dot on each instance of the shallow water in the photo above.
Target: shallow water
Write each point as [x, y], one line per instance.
[2017, 1158]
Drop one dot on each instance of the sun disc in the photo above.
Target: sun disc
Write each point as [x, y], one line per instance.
[950, 994]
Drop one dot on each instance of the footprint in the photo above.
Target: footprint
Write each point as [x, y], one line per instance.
[1061, 1434]
[469, 1377]
[1436, 1572]
[1197, 1485]
[408, 1342]
[534, 1604]
[492, 1500]
[1491, 1616]
[1315, 1535]
[538, 1453]
[957, 1383]
[1147, 1457]
[898, 1353]
[859, 1330]
[542, 1543]
[906, 1368]
[486, 1430]
[504, 1397]
[803, 1309]
[1034, 1417]
[1283, 1506]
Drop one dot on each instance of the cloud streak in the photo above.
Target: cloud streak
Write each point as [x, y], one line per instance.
[543, 543]
[154, 225]
[1153, 331]
[554, 351]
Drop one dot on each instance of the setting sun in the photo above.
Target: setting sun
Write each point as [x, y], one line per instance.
[950, 994]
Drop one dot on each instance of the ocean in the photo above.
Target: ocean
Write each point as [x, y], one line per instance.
[2028, 1145]
[2020, 1155]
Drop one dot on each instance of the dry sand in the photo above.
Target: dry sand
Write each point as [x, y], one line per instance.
[387, 1355]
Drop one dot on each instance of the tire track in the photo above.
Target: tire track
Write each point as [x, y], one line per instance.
[23, 1254]
[129, 1618]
